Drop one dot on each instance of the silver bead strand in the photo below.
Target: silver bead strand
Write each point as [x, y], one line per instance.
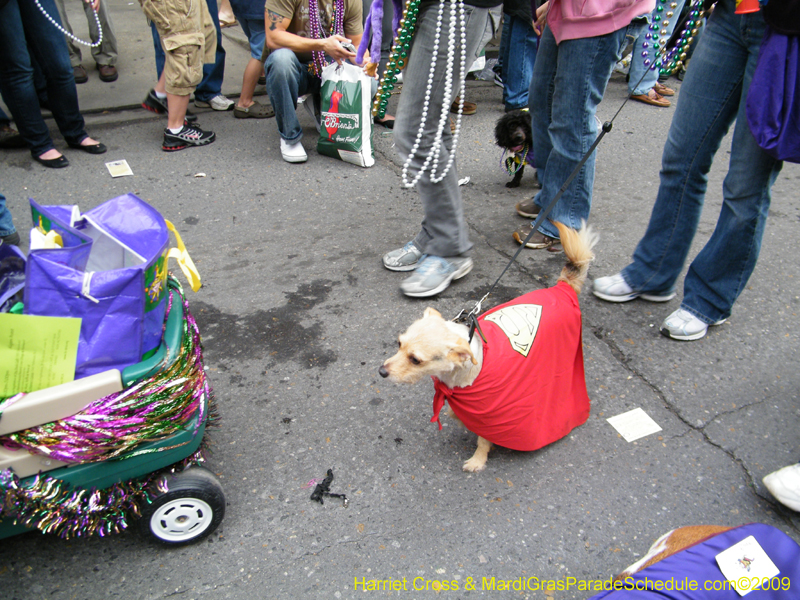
[68, 34]
[433, 155]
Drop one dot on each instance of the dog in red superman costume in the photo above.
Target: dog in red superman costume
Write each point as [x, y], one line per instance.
[522, 388]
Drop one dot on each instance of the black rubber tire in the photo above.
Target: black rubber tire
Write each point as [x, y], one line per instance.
[192, 509]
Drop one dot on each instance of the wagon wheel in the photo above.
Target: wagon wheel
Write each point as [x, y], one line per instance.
[192, 508]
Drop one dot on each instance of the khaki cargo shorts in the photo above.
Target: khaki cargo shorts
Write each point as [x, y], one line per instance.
[189, 39]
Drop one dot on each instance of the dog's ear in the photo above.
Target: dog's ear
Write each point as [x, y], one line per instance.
[461, 353]
[431, 312]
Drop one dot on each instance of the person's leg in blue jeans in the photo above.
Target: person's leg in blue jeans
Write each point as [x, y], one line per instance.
[8, 233]
[643, 77]
[505, 47]
[22, 22]
[569, 80]
[287, 80]
[213, 74]
[518, 61]
[712, 97]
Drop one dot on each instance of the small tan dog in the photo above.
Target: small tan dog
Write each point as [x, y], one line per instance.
[524, 387]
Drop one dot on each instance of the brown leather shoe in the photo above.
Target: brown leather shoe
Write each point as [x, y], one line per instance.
[470, 108]
[652, 97]
[538, 240]
[528, 209]
[660, 88]
[81, 76]
[108, 73]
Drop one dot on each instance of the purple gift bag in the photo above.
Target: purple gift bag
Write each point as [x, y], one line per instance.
[695, 573]
[111, 272]
[773, 101]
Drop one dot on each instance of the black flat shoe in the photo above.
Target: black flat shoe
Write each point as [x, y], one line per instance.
[97, 148]
[53, 163]
[388, 123]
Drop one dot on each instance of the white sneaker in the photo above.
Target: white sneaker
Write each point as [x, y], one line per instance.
[684, 326]
[218, 102]
[293, 152]
[784, 484]
[614, 289]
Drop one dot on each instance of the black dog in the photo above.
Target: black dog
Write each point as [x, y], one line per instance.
[513, 133]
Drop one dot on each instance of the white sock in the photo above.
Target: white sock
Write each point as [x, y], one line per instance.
[161, 95]
[175, 131]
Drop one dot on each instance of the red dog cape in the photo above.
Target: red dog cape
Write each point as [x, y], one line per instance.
[531, 390]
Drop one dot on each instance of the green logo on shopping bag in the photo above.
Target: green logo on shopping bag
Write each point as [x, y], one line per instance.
[155, 283]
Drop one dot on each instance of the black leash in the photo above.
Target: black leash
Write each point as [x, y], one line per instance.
[471, 317]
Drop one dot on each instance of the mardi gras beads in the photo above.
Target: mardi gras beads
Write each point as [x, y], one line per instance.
[675, 58]
[669, 62]
[318, 60]
[457, 19]
[398, 57]
[69, 34]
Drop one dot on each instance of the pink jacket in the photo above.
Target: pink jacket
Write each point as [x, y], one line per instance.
[575, 19]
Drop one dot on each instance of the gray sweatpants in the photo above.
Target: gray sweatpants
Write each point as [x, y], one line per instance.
[444, 228]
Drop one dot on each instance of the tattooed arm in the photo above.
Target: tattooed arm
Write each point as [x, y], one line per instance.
[278, 37]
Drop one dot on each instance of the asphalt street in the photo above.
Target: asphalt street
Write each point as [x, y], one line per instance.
[297, 314]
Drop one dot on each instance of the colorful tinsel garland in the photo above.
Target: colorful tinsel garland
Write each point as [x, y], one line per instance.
[51, 506]
[150, 410]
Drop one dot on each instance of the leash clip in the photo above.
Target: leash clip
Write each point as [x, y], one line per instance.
[474, 325]
[472, 319]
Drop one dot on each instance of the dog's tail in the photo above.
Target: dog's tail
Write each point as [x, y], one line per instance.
[578, 248]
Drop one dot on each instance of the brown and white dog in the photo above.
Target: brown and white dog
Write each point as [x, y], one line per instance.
[524, 387]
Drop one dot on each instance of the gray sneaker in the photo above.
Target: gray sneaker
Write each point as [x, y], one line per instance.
[434, 274]
[403, 259]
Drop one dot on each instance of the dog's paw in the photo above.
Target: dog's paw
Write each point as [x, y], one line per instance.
[474, 465]
[512, 184]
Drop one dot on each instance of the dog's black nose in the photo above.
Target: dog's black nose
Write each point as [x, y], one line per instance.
[383, 372]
